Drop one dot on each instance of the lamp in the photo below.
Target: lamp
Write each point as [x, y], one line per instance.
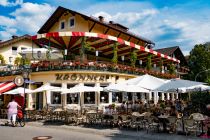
[200, 73]
[154, 65]
[140, 62]
[96, 53]
[65, 53]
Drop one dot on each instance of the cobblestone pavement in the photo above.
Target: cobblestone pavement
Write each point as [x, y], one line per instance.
[66, 132]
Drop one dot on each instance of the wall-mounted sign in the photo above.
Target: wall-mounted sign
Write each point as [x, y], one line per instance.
[82, 77]
[19, 80]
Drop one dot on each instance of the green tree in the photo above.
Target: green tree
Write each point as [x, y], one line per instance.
[199, 60]
[2, 60]
[19, 61]
[160, 65]
[171, 68]
[115, 56]
[133, 58]
[149, 62]
[199, 102]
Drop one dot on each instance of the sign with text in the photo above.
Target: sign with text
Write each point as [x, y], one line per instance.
[82, 77]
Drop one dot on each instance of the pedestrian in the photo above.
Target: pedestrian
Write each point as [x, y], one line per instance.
[12, 111]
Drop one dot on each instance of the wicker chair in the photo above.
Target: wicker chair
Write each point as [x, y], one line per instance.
[190, 126]
[152, 124]
[172, 123]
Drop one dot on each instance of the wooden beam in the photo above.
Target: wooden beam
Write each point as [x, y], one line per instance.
[106, 31]
[91, 28]
[119, 34]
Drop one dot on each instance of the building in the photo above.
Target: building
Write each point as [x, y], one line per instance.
[96, 53]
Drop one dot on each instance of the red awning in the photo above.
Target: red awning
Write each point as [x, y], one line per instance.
[5, 86]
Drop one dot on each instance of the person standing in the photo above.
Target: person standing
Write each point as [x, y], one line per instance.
[12, 111]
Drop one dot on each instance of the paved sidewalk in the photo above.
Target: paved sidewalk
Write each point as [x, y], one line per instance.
[115, 132]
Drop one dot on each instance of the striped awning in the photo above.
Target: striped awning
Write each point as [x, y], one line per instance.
[5, 86]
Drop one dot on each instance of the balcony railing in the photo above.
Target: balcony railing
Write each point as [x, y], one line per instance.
[88, 66]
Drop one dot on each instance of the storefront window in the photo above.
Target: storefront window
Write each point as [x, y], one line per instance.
[117, 97]
[56, 96]
[89, 97]
[104, 96]
[72, 98]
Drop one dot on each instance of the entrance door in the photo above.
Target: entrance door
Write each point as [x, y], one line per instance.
[39, 101]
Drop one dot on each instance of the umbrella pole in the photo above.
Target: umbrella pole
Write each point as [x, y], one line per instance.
[46, 99]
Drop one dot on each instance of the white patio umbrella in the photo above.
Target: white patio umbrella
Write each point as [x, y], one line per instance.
[194, 88]
[146, 81]
[40, 53]
[176, 84]
[19, 90]
[82, 88]
[45, 87]
[125, 88]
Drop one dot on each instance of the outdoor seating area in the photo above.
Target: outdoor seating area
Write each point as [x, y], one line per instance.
[156, 119]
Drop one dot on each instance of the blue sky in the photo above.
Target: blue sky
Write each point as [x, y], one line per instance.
[168, 23]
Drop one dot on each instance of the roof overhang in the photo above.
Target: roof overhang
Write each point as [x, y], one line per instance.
[101, 42]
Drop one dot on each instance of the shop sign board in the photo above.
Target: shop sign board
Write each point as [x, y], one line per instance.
[82, 77]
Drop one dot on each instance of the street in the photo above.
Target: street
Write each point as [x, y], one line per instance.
[29, 132]
[64, 132]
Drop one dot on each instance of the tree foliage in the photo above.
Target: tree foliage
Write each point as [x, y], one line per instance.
[171, 68]
[160, 65]
[149, 62]
[199, 102]
[2, 59]
[19, 61]
[115, 55]
[84, 48]
[133, 58]
[199, 60]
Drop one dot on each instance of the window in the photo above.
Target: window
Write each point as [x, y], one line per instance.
[104, 96]
[89, 97]
[22, 48]
[56, 96]
[72, 22]
[72, 98]
[117, 97]
[62, 25]
[14, 50]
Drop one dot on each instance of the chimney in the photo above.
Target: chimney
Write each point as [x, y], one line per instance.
[14, 36]
[101, 18]
[111, 22]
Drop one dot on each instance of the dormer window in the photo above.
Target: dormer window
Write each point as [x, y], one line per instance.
[62, 25]
[71, 22]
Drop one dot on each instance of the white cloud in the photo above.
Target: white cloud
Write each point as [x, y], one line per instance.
[7, 33]
[26, 20]
[31, 16]
[10, 3]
